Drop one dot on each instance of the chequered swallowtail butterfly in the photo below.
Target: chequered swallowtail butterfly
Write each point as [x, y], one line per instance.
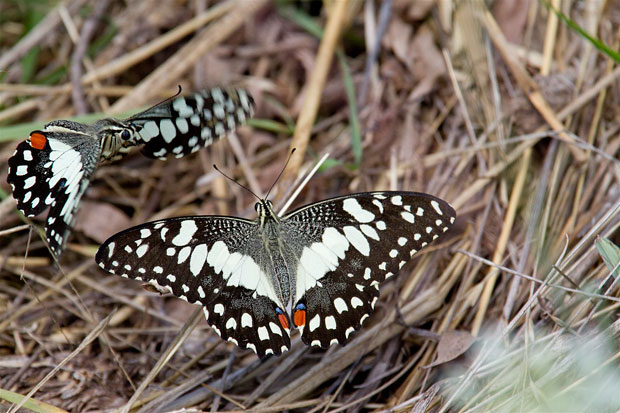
[53, 167]
[325, 259]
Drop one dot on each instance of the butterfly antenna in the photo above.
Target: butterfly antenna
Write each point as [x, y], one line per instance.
[242, 186]
[281, 172]
[171, 97]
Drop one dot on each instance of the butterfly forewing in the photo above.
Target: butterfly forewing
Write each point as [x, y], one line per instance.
[350, 245]
[53, 172]
[210, 261]
[186, 124]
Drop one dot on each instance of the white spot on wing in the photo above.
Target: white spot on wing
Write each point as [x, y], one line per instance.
[314, 323]
[149, 131]
[263, 334]
[353, 207]
[141, 250]
[231, 324]
[182, 125]
[183, 254]
[168, 131]
[408, 216]
[275, 329]
[369, 231]
[330, 323]
[199, 256]
[187, 231]
[435, 206]
[246, 320]
[30, 181]
[341, 305]
[22, 170]
[218, 309]
[356, 302]
[357, 239]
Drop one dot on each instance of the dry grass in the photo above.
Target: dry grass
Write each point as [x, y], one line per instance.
[520, 135]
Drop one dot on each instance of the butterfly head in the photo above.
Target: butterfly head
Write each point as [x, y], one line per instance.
[265, 212]
[116, 137]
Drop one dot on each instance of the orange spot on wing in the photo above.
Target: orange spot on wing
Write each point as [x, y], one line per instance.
[299, 318]
[37, 140]
[283, 320]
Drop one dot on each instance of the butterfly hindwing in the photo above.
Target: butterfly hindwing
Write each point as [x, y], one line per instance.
[186, 124]
[209, 261]
[53, 168]
[351, 245]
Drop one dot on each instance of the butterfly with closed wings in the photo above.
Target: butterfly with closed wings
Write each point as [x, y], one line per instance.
[326, 260]
[54, 166]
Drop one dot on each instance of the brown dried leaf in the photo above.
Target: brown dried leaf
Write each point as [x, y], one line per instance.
[398, 38]
[419, 9]
[452, 344]
[428, 64]
[100, 221]
[511, 16]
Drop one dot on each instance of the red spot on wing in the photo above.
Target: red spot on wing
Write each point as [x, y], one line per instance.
[283, 321]
[37, 140]
[299, 318]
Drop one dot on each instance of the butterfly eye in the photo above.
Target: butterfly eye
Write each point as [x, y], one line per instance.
[125, 135]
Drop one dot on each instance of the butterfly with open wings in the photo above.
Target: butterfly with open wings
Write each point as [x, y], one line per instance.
[53, 167]
[326, 260]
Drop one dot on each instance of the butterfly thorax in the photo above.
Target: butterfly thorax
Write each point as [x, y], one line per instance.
[116, 138]
[276, 252]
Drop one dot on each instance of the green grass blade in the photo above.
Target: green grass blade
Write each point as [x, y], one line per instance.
[596, 42]
[31, 404]
[302, 19]
[354, 122]
[611, 256]
[271, 125]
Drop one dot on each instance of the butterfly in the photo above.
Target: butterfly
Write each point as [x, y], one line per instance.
[53, 167]
[318, 268]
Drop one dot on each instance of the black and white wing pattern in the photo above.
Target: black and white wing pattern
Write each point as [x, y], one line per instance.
[186, 124]
[349, 246]
[211, 261]
[326, 260]
[53, 167]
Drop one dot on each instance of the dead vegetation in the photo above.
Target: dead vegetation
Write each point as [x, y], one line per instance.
[507, 113]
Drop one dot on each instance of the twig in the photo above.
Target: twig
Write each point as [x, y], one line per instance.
[88, 30]
[313, 90]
